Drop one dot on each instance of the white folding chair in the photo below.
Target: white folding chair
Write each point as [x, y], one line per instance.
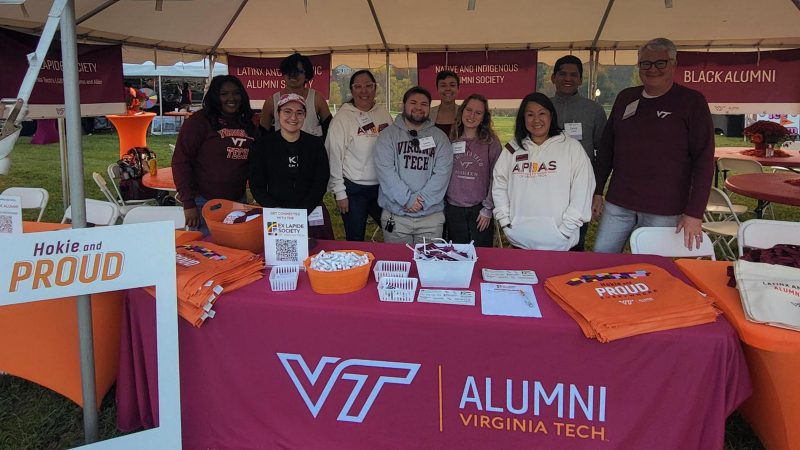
[124, 208]
[726, 165]
[759, 233]
[97, 212]
[741, 166]
[171, 148]
[156, 214]
[664, 241]
[115, 176]
[31, 198]
[723, 231]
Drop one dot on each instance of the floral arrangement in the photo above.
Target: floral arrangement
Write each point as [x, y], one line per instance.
[765, 132]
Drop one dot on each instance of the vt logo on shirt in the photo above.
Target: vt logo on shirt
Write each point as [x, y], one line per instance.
[361, 371]
[663, 114]
[238, 138]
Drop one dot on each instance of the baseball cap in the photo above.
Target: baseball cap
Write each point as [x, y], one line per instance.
[286, 98]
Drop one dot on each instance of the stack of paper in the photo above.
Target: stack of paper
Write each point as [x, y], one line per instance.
[770, 293]
[622, 301]
[205, 270]
[509, 300]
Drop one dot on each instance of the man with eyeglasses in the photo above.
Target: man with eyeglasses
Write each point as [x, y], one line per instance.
[658, 148]
[413, 159]
[580, 118]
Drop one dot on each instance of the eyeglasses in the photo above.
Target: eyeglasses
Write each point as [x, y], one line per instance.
[415, 141]
[363, 86]
[292, 113]
[660, 64]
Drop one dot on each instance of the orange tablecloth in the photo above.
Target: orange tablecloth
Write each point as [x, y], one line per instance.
[179, 113]
[162, 180]
[773, 356]
[131, 129]
[769, 187]
[39, 340]
[736, 152]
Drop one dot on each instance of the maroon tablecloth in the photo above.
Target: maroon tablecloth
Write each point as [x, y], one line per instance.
[46, 132]
[482, 381]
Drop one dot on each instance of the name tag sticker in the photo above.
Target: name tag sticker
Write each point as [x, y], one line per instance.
[574, 130]
[365, 123]
[364, 120]
[426, 143]
[630, 109]
[459, 147]
[316, 218]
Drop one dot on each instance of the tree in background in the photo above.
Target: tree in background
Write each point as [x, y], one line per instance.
[543, 83]
[401, 81]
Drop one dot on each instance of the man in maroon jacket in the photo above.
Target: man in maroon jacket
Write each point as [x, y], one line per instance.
[658, 148]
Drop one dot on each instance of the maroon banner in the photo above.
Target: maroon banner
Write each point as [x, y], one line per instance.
[262, 77]
[503, 74]
[743, 82]
[99, 73]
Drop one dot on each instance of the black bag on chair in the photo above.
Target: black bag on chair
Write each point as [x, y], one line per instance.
[132, 167]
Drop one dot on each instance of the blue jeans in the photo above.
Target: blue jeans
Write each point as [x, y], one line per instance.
[200, 201]
[617, 224]
[362, 202]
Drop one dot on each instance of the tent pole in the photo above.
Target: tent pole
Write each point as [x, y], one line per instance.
[212, 59]
[160, 107]
[62, 150]
[388, 84]
[386, 48]
[72, 104]
[591, 85]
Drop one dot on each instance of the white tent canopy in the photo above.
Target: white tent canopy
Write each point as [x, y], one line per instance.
[171, 31]
[197, 69]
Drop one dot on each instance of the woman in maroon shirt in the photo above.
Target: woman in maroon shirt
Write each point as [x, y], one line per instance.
[210, 159]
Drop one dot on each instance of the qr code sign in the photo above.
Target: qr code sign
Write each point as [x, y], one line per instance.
[286, 250]
[5, 224]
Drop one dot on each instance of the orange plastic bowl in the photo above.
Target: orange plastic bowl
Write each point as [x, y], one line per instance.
[340, 281]
[244, 236]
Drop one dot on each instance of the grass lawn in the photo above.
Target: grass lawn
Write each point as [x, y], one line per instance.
[32, 417]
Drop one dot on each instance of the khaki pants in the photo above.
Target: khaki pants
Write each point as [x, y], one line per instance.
[412, 230]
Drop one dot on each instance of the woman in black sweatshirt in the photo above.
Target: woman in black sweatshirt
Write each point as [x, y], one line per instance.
[289, 168]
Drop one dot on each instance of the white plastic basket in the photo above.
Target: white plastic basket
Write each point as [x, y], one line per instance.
[397, 289]
[448, 274]
[284, 278]
[397, 269]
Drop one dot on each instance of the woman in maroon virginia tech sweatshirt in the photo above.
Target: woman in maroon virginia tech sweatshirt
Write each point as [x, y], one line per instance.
[210, 159]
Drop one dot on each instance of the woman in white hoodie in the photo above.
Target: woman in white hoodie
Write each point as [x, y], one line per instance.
[543, 181]
[351, 141]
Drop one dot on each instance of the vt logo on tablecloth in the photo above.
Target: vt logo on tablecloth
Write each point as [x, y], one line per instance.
[396, 373]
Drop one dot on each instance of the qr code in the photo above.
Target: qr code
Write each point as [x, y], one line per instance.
[5, 224]
[286, 250]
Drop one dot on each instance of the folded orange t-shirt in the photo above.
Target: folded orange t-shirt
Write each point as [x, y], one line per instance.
[627, 300]
[206, 270]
